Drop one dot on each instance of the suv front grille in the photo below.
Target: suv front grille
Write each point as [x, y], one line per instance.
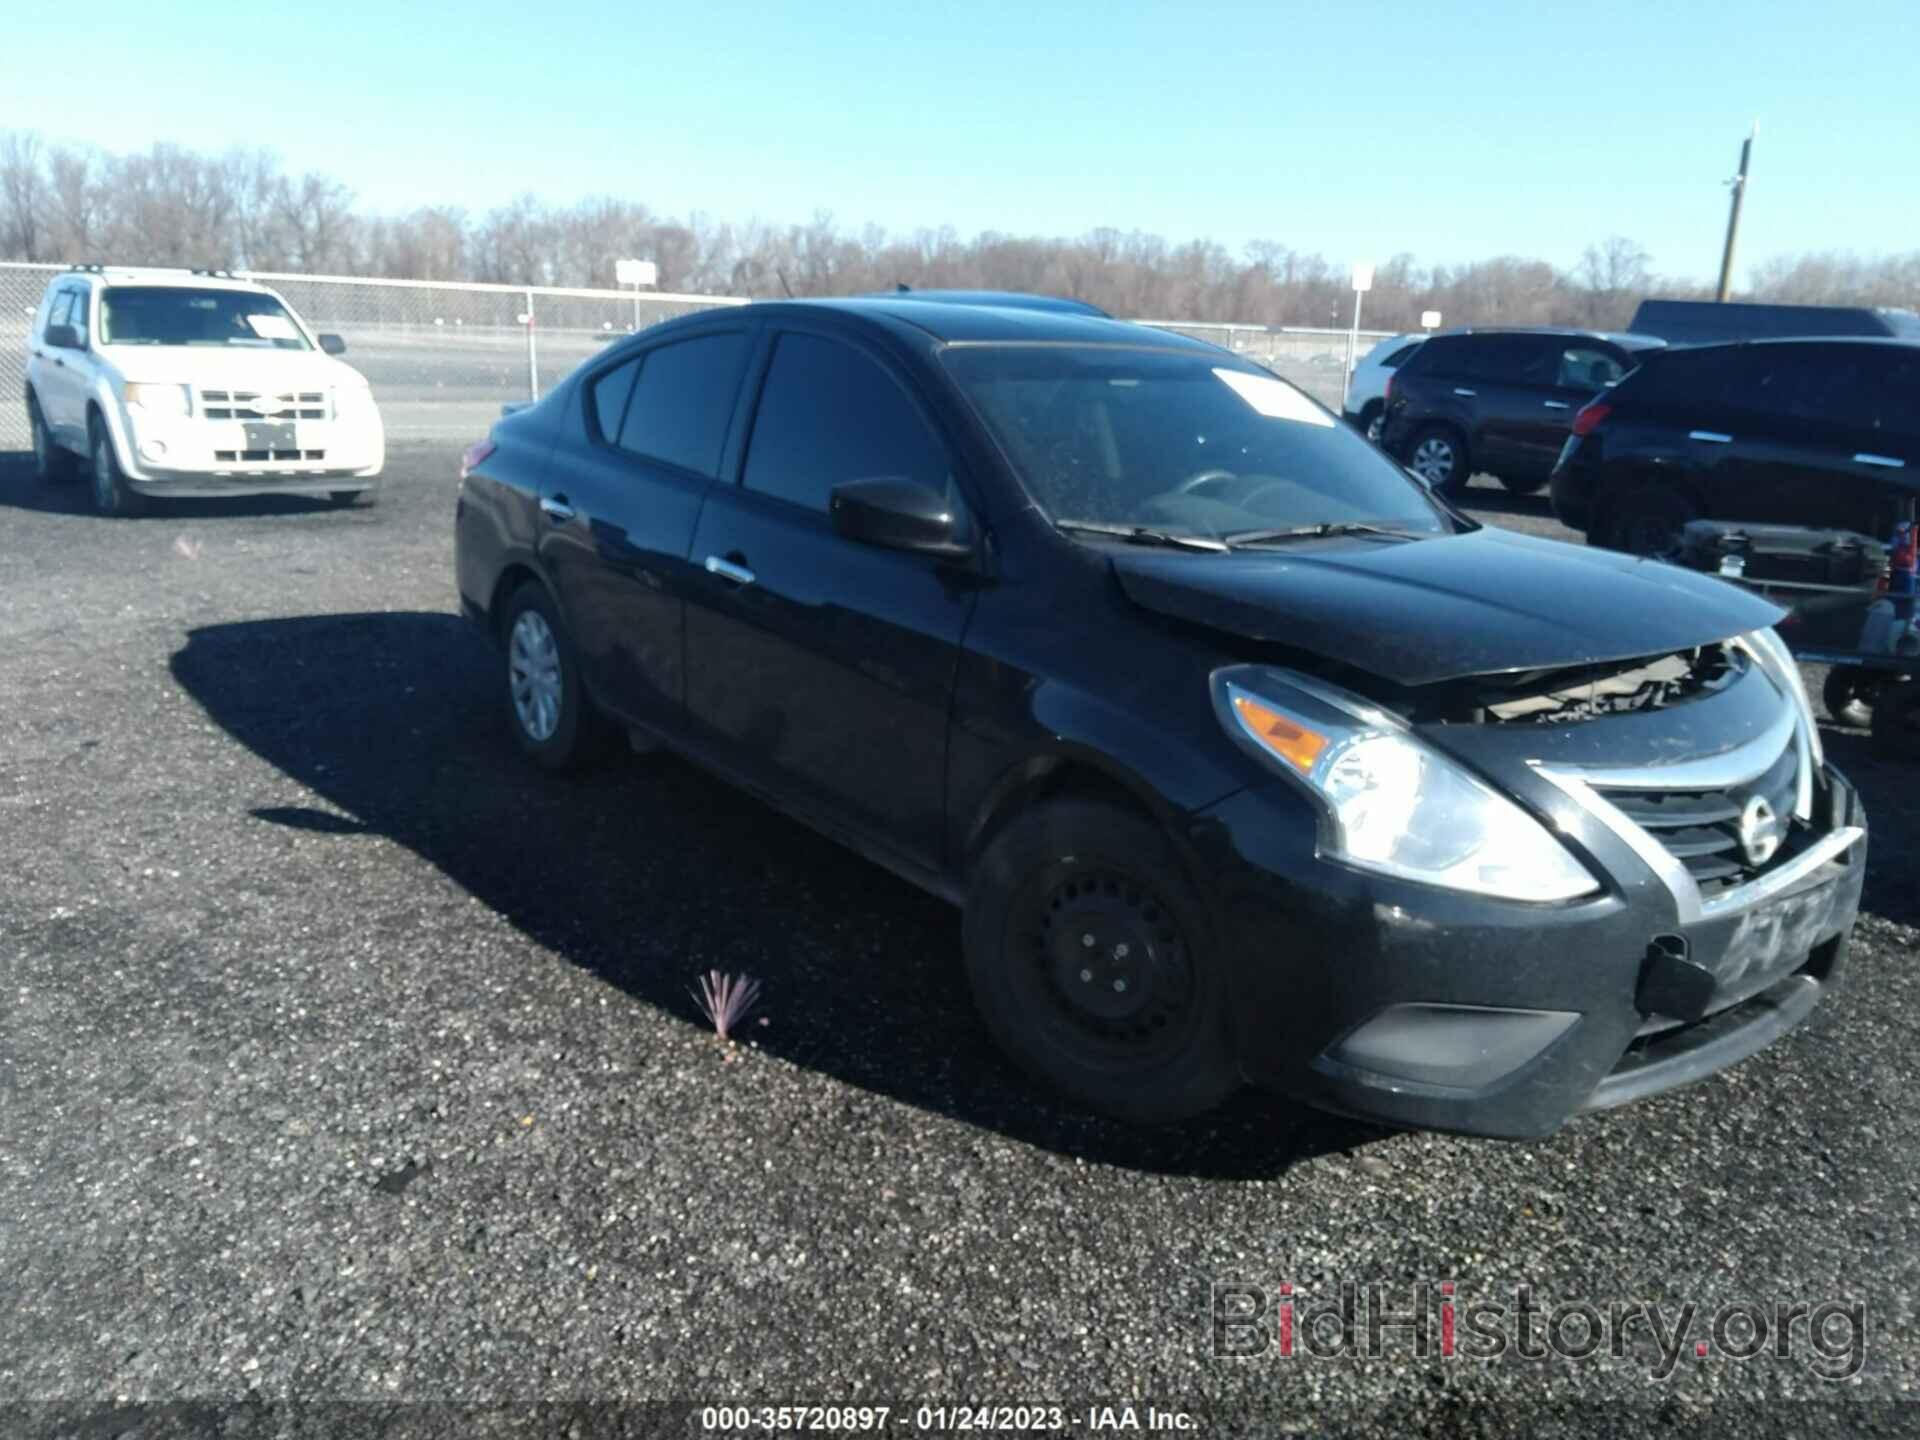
[1701, 828]
[263, 405]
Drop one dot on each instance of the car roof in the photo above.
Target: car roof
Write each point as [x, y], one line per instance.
[1625, 339]
[1894, 342]
[161, 275]
[971, 321]
[1005, 299]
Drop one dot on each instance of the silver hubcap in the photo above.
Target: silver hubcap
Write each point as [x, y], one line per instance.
[1433, 460]
[533, 672]
[1374, 427]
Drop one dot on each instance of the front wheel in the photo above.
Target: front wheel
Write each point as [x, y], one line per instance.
[111, 493]
[1896, 722]
[1439, 457]
[553, 719]
[52, 465]
[1093, 966]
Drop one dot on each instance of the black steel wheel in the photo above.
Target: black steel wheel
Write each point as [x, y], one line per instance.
[1092, 963]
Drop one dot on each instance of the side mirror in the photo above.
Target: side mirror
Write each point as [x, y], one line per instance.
[333, 345]
[63, 337]
[899, 514]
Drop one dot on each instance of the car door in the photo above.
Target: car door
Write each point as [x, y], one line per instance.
[1509, 378]
[57, 376]
[619, 503]
[1794, 421]
[1581, 369]
[820, 667]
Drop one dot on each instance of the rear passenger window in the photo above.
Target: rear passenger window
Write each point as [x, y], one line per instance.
[609, 394]
[679, 408]
[1519, 359]
[1583, 368]
[828, 415]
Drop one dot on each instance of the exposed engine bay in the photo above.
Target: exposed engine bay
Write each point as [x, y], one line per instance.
[1552, 697]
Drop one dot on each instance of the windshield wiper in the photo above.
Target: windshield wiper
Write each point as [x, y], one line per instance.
[1314, 532]
[1142, 535]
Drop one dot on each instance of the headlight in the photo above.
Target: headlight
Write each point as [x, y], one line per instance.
[160, 399]
[1393, 803]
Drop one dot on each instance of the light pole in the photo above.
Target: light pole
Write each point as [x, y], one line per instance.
[1739, 183]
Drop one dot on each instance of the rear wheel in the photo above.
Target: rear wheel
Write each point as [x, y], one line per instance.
[1648, 521]
[1372, 420]
[1896, 721]
[111, 493]
[1092, 963]
[1848, 695]
[554, 721]
[52, 464]
[1439, 456]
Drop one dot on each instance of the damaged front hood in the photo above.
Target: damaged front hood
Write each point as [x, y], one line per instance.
[1418, 612]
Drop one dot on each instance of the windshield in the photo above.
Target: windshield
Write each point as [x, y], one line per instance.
[1180, 444]
[180, 315]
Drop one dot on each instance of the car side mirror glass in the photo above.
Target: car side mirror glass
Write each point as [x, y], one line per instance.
[333, 345]
[63, 337]
[899, 514]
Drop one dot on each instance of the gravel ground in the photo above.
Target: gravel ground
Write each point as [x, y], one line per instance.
[346, 1059]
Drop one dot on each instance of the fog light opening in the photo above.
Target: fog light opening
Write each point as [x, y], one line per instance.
[153, 449]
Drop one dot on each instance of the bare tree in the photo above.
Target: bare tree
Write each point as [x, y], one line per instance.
[23, 196]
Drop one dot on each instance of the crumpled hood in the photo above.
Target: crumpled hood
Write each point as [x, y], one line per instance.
[205, 367]
[1418, 612]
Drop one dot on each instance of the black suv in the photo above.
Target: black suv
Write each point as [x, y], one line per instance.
[1822, 433]
[1245, 758]
[1498, 402]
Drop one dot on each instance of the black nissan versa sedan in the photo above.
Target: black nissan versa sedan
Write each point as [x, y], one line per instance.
[1246, 758]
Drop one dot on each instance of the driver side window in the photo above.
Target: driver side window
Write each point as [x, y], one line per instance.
[827, 415]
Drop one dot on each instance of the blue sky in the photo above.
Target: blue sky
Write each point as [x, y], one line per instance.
[1453, 131]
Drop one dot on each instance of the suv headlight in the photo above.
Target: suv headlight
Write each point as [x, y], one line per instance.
[1393, 803]
[160, 399]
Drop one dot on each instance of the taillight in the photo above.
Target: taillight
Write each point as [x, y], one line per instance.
[1590, 417]
[472, 457]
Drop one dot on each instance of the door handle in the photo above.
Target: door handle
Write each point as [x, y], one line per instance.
[1712, 437]
[1558, 405]
[555, 507]
[1460, 390]
[727, 570]
[1885, 461]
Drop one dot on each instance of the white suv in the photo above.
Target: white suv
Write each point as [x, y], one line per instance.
[1367, 390]
[193, 383]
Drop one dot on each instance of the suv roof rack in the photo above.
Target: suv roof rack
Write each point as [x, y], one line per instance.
[89, 269]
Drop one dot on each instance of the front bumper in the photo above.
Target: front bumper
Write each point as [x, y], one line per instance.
[187, 456]
[1439, 1010]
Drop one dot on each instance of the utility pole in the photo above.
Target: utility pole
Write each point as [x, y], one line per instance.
[1739, 183]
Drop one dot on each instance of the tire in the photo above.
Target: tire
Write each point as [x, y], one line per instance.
[52, 464]
[1052, 880]
[1896, 722]
[1648, 521]
[111, 493]
[1372, 420]
[1848, 696]
[1516, 485]
[1439, 456]
[554, 722]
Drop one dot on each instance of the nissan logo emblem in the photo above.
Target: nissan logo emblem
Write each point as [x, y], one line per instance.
[1759, 831]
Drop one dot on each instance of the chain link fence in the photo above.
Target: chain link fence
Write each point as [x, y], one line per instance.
[443, 356]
